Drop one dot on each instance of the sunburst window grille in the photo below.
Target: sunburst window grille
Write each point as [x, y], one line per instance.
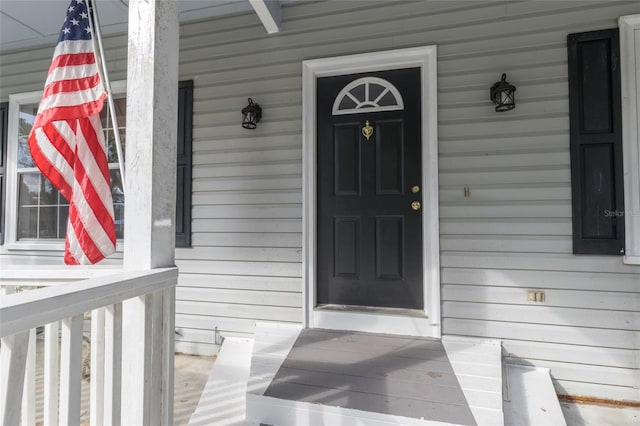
[368, 94]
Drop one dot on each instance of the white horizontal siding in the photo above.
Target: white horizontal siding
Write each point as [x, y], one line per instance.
[245, 311]
[513, 232]
[275, 284]
[567, 353]
[555, 300]
[568, 280]
[620, 321]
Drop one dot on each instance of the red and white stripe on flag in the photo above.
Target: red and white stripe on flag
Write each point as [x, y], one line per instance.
[67, 141]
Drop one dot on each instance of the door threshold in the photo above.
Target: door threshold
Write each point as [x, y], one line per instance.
[374, 310]
[407, 322]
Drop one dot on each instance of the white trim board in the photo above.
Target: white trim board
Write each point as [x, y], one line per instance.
[292, 413]
[630, 79]
[269, 13]
[425, 59]
[532, 399]
[224, 396]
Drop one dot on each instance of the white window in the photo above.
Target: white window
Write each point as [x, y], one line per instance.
[36, 215]
[368, 94]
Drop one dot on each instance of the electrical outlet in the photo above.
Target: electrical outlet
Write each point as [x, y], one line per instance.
[535, 296]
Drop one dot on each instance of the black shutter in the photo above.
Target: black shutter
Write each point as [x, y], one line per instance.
[183, 186]
[596, 142]
[4, 108]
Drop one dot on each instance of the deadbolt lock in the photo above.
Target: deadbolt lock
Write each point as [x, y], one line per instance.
[415, 189]
[416, 205]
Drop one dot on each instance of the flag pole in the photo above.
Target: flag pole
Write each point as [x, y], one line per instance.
[104, 77]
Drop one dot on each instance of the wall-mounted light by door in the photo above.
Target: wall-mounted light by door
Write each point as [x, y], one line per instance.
[503, 95]
[251, 115]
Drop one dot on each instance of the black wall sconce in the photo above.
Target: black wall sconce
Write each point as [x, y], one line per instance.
[251, 115]
[503, 95]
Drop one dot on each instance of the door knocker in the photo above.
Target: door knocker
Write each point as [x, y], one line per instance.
[367, 130]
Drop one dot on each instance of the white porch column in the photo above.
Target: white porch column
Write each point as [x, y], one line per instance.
[148, 322]
[152, 102]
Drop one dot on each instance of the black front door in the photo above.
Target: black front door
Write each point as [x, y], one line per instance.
[369, 191]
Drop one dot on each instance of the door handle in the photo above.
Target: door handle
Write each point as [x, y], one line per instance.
[416, 205]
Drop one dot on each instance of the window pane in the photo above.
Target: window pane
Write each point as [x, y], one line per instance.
[118, 212]
[48, 193]
[27, 116]
[118, 202]
[28, 222]
[48, 222]
[42, 210]
[121, 112]
[62, 201]
[29, 189]
[63, 216]
[112, 150]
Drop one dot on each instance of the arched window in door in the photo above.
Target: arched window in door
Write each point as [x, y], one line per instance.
[367, 94]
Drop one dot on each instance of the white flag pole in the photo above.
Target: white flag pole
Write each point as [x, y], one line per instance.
[104, 77]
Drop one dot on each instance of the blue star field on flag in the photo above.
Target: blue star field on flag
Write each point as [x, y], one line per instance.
[76, 24]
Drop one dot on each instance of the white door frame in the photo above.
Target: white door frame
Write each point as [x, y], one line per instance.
[428, 322]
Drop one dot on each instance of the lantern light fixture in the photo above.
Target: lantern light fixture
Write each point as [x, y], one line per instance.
[503, 95]
[251, 115]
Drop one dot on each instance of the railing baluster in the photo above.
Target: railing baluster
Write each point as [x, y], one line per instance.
[155, 393]
[113, 364]
[168, 357]
[71, 371]
[13, 356]
[29, 392]
[51, 371]
[97, 368]
[136, 355]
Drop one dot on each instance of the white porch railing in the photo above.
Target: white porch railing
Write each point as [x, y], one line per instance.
[60, 309]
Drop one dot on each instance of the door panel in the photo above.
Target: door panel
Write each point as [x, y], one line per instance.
[389, 157]
[389, 247]
[347, 160]
[347, 247]
[369, 237]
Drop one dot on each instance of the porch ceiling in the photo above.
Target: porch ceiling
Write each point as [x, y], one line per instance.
[20, 27]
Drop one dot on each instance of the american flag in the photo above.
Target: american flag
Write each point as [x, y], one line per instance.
[67, 141]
